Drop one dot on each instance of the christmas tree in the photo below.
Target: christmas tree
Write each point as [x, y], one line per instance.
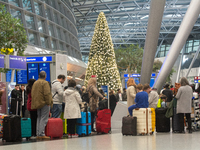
[102, 62]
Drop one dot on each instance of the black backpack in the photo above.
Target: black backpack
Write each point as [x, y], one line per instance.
[85, 97]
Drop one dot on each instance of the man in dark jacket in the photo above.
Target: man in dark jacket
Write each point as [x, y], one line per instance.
[119, 95]
[124, 96]
[41, 100]
[15, 96]
[168, 93]
[24, 99]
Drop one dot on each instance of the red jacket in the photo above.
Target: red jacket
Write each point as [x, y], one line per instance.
[29, 103]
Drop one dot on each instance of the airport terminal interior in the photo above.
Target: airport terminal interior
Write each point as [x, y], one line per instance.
[120, 44]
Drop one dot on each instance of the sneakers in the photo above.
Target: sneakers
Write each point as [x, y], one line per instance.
[72, 135]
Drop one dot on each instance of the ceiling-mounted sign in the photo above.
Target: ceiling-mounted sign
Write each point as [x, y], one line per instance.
[1, 61]
[16, 62]
[39, 59]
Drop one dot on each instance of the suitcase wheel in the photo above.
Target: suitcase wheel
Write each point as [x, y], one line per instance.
[28, 138]
[110, 132]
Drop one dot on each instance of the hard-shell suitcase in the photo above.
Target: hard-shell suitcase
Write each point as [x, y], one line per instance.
[83, 126]
[12, 128]
[26, 130]
[1, 124]
[129, 125]
[144, 124]
[162, 122]
[64, 123]
[103, 121]
[153, 119]
[177, 122]
[54, 128]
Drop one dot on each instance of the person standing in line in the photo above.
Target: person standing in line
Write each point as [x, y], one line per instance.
[124, 95]
[94, 95]
[24, 99]
[131, 92]
[153, 98]
[141, 98]
[33, 112]
[72, 109]
[119, 95]
[57, 92]
[168, 93]
[113, 101]
[15, 94]
[41, 100]
[184, 101]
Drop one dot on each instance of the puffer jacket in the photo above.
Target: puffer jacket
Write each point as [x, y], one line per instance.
[72, 101]
[41, 94]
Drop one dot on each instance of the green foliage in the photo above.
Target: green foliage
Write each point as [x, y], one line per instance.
[101, 60]
[129, 57]
[12, 34]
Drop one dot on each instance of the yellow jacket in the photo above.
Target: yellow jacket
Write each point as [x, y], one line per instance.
[159, 103]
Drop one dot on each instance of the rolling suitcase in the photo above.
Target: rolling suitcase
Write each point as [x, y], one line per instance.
[1, 124]
[162, 122]
[129, 126]
[12, 128]
[103, 121]
[26, 130]
[83, 126]
[177, 122]
[153, 119]
[144, 124]
[54, 128]
[64, 123]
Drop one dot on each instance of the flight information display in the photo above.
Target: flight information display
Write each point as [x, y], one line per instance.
[45, 67]
[8, 76]
[22, 77]
[33, 71]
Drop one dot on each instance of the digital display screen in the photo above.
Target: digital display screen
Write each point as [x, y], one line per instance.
[1, 61]
[39, 59]
[33, 71]
[45, 67]
[8, 76]
[22, 77]
[17, 62]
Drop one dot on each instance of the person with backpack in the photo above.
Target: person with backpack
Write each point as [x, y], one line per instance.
[57, 92]
[93, 99]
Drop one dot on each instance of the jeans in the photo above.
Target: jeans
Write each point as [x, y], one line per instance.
[130, 109]
[56, 110]
[42, 119]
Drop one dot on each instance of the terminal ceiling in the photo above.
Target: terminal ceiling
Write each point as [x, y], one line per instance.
[127, 20]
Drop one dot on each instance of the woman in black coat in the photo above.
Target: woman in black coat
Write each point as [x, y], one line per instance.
[113, 101]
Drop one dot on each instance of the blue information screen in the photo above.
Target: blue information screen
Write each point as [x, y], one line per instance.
[22, 77]
[8, 76]
[1, 61]
[17, 62]
[33, 71]
[45, 67]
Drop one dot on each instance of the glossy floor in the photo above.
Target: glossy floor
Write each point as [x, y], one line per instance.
[114, 141]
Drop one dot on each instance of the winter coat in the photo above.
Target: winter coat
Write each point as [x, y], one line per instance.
[57, 87]
[124, 96]
[131, 93]
[41, 94]
[72, 101]
[25, 97]
[113, 102]
[29, 103]
[153, 99]
[184, 99]
[93, 104]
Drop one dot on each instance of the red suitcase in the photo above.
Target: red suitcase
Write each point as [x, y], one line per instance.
[103, 121]
[54, 128]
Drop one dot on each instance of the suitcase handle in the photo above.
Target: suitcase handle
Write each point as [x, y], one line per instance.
[24, 119]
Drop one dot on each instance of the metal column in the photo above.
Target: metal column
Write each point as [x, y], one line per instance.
[184, 30]
[153, 29]
[180, 64]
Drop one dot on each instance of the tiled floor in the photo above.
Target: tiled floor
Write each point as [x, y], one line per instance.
[115, 141]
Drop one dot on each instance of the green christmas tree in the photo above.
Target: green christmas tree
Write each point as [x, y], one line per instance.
[102, 62]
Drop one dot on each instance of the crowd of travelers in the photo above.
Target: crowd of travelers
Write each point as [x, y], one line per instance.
[43, 99]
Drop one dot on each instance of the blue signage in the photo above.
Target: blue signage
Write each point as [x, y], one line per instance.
[22, 77]
[105, 90]
[17, 62]
[137, 75]
[33, 71]
[8, 76]
[152, 82]
[126, 75]
[45, 67]
[1, 61]
[39, 59]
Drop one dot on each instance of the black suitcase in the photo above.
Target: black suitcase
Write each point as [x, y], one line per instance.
[162, 122]
[129, 125]
[12, 128]
[177, 122]
[103, 104]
